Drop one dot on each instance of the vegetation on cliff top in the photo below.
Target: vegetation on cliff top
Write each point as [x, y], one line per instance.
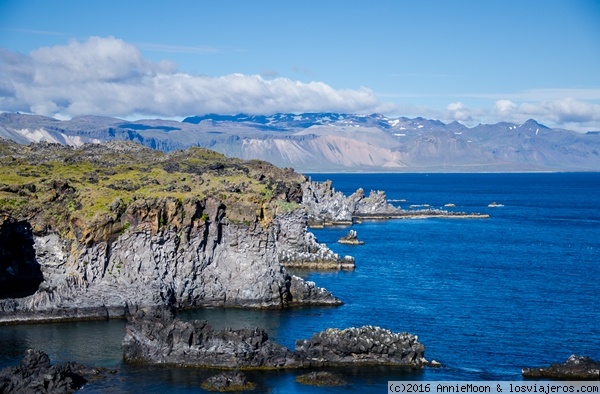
[63, 185]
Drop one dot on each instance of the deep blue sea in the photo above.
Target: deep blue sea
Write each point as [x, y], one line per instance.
[486, 296]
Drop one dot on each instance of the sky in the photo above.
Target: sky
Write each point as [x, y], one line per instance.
[469, 61]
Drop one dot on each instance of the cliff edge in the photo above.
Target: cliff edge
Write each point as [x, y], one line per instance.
[90, 232]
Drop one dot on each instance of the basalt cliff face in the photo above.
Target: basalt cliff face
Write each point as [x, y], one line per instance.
[94, 231]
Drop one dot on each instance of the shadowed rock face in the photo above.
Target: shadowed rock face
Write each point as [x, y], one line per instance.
[20, 273]
[36, 375]
[156, 337]
[576, 367]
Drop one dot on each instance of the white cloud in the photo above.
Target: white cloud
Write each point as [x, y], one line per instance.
[567, 112]
[107, 76]
[458, 111]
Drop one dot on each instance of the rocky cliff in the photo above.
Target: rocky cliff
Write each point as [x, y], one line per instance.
[105, 228]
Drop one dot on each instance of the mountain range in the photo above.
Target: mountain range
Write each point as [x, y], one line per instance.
[334, 142]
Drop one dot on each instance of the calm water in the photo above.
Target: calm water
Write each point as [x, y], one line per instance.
[486, 296]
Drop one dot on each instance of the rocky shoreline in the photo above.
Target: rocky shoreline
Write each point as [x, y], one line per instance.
[574, 368]
[328, 207]
[156, 336]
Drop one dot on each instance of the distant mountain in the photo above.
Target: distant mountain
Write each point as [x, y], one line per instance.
[312, 142]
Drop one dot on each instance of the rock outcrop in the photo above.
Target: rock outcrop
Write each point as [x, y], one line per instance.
[327, 207]
[188, 229]
[321, 378]
[156, 337]
[574, 368]
[362, 345]
[228, 381]
[350, 239]
[36, 375]
[298, 248]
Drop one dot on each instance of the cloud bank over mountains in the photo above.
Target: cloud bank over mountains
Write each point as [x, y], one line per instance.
[107, 76]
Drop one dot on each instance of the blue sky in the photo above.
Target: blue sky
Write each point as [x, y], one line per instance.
[471, 61]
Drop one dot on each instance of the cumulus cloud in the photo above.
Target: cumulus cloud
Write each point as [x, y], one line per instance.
[567, 112]
[107, 76]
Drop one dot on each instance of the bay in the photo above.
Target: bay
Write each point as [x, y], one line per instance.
[486, 296]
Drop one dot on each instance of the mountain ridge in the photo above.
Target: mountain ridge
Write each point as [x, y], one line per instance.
[335, 142]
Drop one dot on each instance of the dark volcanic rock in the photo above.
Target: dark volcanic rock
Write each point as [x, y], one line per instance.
[321, 378]
[228, 381]
[156, 337]
[36, 375]
[576, 367]
[363, 345]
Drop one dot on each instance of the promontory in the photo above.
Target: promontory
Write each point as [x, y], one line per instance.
[90, 232]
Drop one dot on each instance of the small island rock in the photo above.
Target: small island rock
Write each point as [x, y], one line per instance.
[321, 378]
[576, 367]
[228, 381]
[350, 239]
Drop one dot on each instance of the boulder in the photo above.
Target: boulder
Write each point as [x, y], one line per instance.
[574, 368]
[35, 374]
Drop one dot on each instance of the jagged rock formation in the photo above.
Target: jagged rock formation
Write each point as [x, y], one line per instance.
[35, 375]
[156, 337]
[327, 207]
[350, 239]
[574, 368]
[118, 226]
[228, 381]
[363, 345]
[300, 249]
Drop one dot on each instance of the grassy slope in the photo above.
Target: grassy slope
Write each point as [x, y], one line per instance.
[60, 185]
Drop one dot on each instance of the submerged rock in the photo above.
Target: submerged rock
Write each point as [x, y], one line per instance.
[321, 378]
[228, 381]
[575, 367]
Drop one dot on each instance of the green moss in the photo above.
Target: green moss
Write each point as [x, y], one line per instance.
[71, 187]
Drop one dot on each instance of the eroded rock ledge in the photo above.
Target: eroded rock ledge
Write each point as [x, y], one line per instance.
[327, 207]
[157, 337]
[574, 368]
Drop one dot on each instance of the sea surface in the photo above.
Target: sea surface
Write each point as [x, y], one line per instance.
[486, 296]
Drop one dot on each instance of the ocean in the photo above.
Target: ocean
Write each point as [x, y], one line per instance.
[487, 297]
